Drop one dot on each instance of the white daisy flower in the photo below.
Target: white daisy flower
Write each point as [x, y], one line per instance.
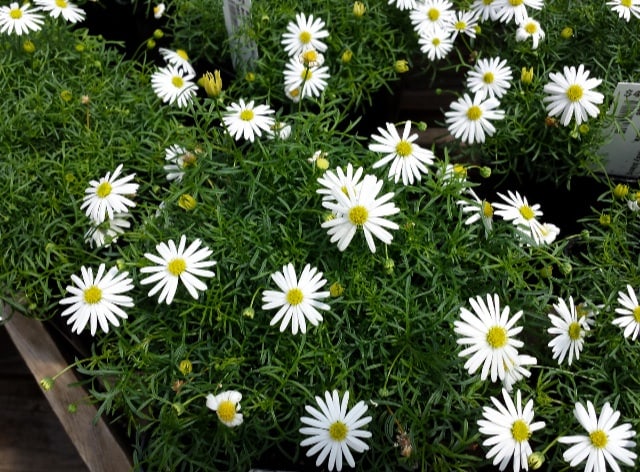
[479, 210]
[244, 120]
[453, 173]
[530, 28]
[509, 427]
[508, 10]
[310, 58]
[517, 210]
[462, 22]
[97, 299]
[470, 120]
[604, 444]
[431, 14]
[107, 232]
[159, 10]
[339, 182]
[334, 431]
[490, 77]
[174, 84]
[311, 81]
[490, 335]
[569, 330]
[404, 4]
[294, 94]
[298, 299]
[409, 160]
[630, 313]
[485, 9]
[517, 371]
[304, 34]
[571, 95]
[178, 58]
[537, 233]
[280, 130]
[70, 12]
[178, 158]
[19, 19]
[436, 43]
[106, 196]
[177, 264]
[625, 8]
[361, 208]
[226, 405]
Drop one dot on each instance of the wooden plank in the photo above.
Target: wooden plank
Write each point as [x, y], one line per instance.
[95, 443]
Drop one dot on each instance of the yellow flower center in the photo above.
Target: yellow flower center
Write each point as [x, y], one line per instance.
[497, 337]
[626, 3]
[182, 54]
[104, 190]
[306, 74]
[636, 314]
[526, 212]
[61, 4]
[574, 331]
[177, 266]
[358, 215]
[599, 439]
[531, 28]
[338, 431]
[305, 37]
[435, 42]
[295, 296]
[177, 81]
[92, 295]
[403, 148]
[460, 171]
[310, 56]
[520, 430]
[488, 77]
[487, 2]
[15, 14]
[460, 25]
[226, 411]
[574, 92]
[474, 113]
[433, 14]
[516, 3]
[487, 209]
[246, 115]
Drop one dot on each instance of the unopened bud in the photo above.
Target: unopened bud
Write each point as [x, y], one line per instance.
[186, 367]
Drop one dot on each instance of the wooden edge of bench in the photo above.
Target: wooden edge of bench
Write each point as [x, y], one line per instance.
[94, 441]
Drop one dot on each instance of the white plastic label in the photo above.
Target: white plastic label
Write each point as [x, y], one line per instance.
[244, 52]
[622, 153]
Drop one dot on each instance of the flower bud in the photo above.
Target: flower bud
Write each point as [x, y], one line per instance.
[28, 46]
[566, 32]
[212, 83]
[47, 383]
[322, 163]
[250, 77]
[389, 265]
[72, 408]
[66, 95]
[485, 172]
[178, 407]
[158, 34]
[526, 75]
[336, 289]
[249, 312]
[186, 367]
[187, 202]
[359, 9]
[535, 460]
[605, 219]
[151, 43]
[346, 56]
[620, 191]
[401, 66]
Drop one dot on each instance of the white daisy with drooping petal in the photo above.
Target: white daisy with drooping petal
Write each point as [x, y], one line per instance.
[298, 300]
[410, 161]
[490, 335]
[571, 95]
[226, 405]
[569, 330]
[509, 427]
[107, 196]
[246, 120]
[174, 264]
[508, 10]
[338, 182]
[19, 19]
[361, 208]
[431, 14]
[159, 10]
[178, 58]
[311, 81]
[463, 22]
[485, 9]
[97, 299]
[436, 43]
[178, 158]
[517, 371]
[69, 11]
[470, 120]
[479, 210]
[629, 318]
[490, 77]
[604, 443]
[334, 431]
[530, 28]
[304, 34]
[625, 8]
[537, 233]
[106, 232]
[174, 84]
[404, 4]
